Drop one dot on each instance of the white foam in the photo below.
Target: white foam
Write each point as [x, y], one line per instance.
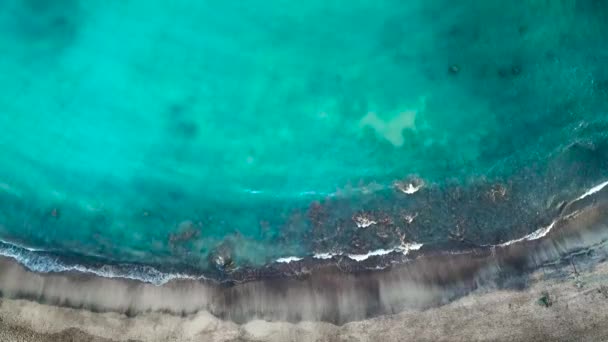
[404, 248]
[287, 260]
[410, 218]
[364, 222]
[31, 249]
[324, 256]
[593, 190]
[361, 257]
[35, 261]
[537, 234]
[411, 189]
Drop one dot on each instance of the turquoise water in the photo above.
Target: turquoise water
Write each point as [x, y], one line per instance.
[166, 132]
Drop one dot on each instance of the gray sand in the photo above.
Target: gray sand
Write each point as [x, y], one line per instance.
[578, 311]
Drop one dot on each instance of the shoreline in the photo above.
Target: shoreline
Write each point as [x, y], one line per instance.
[313, 171]
[576, 312]
[403, 250]
[328, 294]
[376, 231]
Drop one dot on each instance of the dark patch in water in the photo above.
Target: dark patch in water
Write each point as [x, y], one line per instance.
[187, 129]
[55, 23]
[180, 119]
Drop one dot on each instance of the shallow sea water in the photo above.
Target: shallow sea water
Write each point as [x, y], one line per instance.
[223, 134]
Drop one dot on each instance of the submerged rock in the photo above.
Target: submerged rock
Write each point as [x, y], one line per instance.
[188, 230]
[409, 186]
[221, 259]
[497, 192]
[364, 220]
[55, 213]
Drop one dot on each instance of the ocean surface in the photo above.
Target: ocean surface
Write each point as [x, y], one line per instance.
[152, 139]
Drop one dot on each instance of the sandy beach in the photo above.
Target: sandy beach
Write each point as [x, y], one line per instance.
[576, 310]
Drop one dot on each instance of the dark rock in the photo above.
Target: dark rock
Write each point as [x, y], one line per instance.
[220, 258]
[545, 300]
[55, 213]
[497, 192]
[515, 70]
[187, 230]
[603, 289]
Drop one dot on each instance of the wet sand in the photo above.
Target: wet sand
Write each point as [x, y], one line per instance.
[577, 311]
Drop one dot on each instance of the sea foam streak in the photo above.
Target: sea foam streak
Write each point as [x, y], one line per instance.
[378, 252]
[35, 260]
[593, 190]
[404, 248]
[539, 233]
[324, 256]
[287, 260]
